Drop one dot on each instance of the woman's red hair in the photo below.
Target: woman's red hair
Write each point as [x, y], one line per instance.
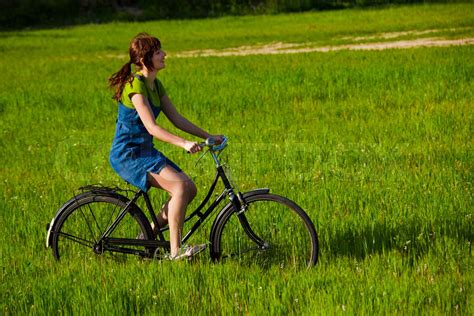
[142, 48]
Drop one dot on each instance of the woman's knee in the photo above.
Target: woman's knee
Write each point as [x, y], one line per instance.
[188, 190]
[185, 189]
[175, 183]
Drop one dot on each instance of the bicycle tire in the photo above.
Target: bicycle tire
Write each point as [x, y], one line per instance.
[85, 220]
[289, 236]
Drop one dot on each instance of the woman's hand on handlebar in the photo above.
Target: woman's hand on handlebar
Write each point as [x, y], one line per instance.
[217, 139]
[191, 147]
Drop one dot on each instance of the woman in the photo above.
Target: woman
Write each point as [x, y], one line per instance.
[141, 97]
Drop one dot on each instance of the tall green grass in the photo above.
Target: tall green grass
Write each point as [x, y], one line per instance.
[375, 146]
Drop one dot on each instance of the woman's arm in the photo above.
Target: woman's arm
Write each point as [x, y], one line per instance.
[146, 115]
[180, 121]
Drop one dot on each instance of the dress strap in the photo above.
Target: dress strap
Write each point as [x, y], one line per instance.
[139, 77]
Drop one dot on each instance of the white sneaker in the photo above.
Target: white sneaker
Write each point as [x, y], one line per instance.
[188, 251]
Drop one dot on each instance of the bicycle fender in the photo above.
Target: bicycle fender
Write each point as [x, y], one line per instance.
[51, 226]
[229, 205]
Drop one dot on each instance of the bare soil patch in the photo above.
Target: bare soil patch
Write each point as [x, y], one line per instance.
[390, 35]
[297, 48]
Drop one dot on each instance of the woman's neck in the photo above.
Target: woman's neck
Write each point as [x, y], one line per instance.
[150, 77]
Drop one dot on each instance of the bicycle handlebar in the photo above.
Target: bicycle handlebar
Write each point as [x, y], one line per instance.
[210, 142]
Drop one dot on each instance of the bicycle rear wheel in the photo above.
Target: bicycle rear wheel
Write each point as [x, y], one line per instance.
[273, 231]
[79, 227]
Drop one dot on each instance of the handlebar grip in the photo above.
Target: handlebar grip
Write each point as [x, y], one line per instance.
[209, 142]
[217, 147]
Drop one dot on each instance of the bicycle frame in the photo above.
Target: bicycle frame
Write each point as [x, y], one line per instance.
[113, 244]
[255, 206]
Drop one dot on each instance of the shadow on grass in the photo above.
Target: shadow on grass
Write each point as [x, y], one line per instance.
[412, 238]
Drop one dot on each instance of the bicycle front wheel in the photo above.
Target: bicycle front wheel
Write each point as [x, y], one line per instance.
[273, 231]
[79, 227]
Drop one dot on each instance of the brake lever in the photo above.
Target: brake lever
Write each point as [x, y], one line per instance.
[200, 157]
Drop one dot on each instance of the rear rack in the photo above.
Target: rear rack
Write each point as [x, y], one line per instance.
[104, 189]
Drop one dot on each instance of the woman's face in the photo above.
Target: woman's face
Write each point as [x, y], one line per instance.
[159, 59]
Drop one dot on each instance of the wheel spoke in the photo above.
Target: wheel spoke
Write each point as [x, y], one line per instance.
[112, 216]
[95, 220]
[88, 225]
[77, 239]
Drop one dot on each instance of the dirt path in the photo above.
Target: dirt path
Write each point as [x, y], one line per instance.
[293, 48]
[389, 35]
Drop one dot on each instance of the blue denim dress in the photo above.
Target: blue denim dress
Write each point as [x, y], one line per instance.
[132, 155]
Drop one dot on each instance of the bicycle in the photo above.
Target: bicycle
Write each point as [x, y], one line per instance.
[254, 227]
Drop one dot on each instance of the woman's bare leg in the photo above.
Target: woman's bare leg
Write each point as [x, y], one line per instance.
[182, 190]
[161, 217]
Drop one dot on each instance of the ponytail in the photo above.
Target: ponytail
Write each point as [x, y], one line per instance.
[119, 79]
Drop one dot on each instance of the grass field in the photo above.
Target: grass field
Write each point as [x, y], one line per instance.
[376, 146]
